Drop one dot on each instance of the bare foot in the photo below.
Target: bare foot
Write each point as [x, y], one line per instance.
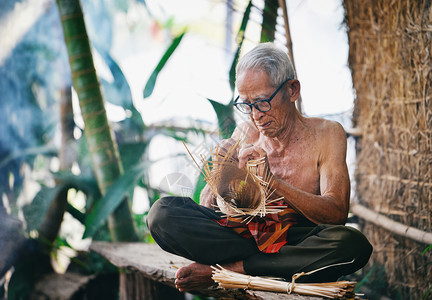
[197, 276]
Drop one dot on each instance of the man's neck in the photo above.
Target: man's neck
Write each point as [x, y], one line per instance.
[290, 135]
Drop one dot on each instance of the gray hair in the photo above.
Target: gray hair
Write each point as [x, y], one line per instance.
[269, 58]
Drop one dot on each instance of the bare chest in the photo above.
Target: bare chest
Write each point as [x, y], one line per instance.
[298, 166]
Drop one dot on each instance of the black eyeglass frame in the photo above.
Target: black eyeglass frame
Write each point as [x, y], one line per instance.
[254, 104]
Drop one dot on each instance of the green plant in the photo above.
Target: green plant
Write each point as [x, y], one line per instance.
[103, 148]
[38, 97]
[428, 292]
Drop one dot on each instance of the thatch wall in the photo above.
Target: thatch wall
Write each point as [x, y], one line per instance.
[390, 57]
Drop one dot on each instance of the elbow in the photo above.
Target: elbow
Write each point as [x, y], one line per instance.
[341, 220]
[341, 217]
[335, 220]
[337, 215]
[331, 219]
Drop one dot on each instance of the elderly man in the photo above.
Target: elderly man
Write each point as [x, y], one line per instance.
[306, 157]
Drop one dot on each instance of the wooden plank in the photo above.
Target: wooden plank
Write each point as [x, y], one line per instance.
[61, 286]
[154, 263]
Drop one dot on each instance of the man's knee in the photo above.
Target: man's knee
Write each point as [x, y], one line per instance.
[159, 213]
[352, 243]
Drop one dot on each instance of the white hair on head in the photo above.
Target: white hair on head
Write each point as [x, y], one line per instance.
[269, 58]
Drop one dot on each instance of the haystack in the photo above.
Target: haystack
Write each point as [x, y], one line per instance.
[390, 57]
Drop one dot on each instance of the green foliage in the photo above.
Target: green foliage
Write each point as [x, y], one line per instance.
[113, 197]
[31, 266]
[132, 152]
[88, 185]
[375, 284]
[143, 231]
[76, 213]
[428, 292]
[268, 27]
[148, 90]
[37, 102]
[34, 212]
[118, 92]
[29, 87]
[102, 146]
[22, 280]
[428, 248]
[240, 37]
[225, 116]
[200, 184]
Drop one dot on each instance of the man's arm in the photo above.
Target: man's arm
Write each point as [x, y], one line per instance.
[331, 207]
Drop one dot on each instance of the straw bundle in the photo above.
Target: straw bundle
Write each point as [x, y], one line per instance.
[390, 57]
[233, 280]
[239, 192]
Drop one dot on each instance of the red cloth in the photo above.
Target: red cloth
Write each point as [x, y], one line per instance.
[269, 232]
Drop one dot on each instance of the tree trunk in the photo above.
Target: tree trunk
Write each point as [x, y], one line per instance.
[103, 148]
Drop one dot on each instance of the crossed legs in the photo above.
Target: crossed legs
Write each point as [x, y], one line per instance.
[182, 227]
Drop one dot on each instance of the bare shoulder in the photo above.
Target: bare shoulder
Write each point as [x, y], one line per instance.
[248, 131]
[327, 130]
[331, 138]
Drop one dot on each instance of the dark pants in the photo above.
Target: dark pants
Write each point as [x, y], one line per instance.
[182, 227]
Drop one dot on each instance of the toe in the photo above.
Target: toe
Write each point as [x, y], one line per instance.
[182, 273]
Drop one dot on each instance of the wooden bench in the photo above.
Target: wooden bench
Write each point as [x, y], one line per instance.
[148, 272]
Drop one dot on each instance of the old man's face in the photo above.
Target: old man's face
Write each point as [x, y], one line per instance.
[254, 85]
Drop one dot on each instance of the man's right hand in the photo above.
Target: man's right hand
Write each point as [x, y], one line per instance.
[224, 147]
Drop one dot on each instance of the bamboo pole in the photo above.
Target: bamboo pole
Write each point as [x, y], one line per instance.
[390, 225]
[354, 132]
[283, 6]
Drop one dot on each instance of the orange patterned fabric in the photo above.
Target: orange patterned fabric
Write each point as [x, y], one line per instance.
[269, 232]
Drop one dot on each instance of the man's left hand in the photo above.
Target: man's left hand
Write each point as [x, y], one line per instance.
[255, 153]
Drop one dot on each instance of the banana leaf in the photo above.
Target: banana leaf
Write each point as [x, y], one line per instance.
[268, 27]
[149, 87]
[225, 116]
[240, 37]
[113, 198]
[35, 211]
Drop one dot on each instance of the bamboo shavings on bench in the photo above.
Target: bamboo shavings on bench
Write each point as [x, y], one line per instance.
[233, 280]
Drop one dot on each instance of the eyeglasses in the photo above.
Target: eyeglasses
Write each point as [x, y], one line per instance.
[261, 105]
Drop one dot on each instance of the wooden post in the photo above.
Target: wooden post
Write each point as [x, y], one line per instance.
[284, 8]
